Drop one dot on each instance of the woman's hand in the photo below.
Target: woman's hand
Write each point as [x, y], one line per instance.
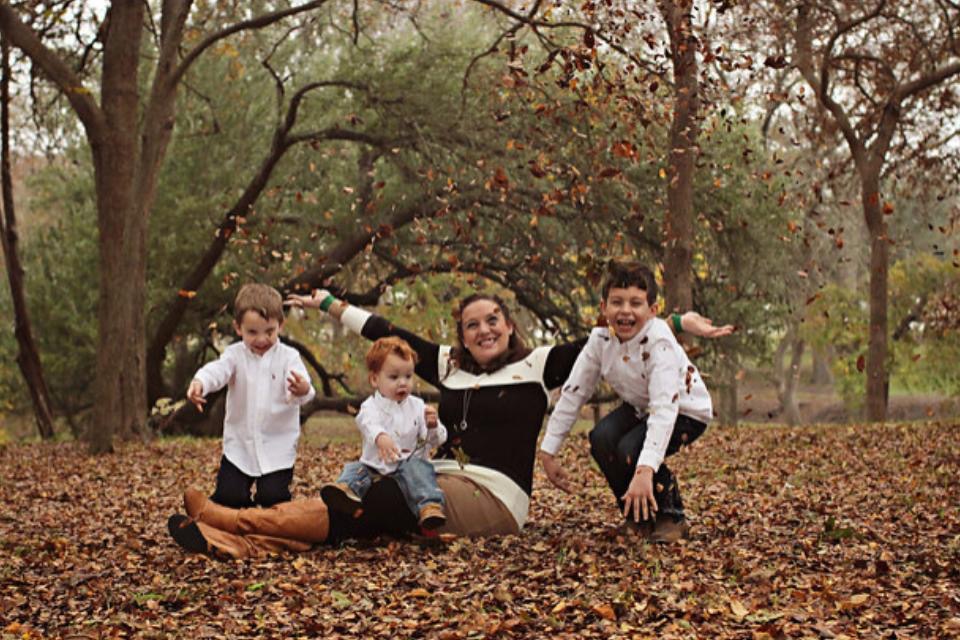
[555, 472]
[389, 452]
[695, 324]
[307, 302]
[639, 496]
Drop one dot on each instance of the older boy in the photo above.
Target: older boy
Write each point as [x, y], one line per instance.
[266, 384]
[665, 404]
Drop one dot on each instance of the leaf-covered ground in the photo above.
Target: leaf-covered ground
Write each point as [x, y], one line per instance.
[815, 532]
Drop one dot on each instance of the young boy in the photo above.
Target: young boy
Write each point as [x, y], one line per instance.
[266, 384]
[399, 431]
[665, 404]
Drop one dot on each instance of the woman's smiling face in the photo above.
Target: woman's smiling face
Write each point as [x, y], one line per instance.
[486, 332]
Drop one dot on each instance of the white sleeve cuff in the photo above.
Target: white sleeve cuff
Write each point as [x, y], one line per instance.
[354, 318]
[551, 443]
[649, 459]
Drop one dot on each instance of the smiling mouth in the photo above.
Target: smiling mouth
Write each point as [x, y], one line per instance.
[487, 342]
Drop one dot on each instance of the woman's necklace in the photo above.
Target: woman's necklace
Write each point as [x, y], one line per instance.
[466, 407]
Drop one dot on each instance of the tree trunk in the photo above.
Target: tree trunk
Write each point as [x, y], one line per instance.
[679, 218]
[726, 412]
[120, 409]
[877, 377]
[822, 375]
[28, 359]
[788, 400]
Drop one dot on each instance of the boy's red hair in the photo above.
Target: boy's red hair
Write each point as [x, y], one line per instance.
[383, 347]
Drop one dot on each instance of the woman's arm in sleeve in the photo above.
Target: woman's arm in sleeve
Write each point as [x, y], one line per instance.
[578, 388]
[372, 327]
[560, 362]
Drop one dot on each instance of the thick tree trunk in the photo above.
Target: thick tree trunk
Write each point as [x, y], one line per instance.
[28, 359]
[120, 409]
[679, 218]
[876, 406]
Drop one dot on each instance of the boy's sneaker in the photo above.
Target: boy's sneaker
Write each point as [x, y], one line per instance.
[667, 530]
[341, 498]
[432, 516]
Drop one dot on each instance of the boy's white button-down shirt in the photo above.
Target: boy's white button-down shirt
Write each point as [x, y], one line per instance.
[262, 422]
[404, 422]
[650, 371]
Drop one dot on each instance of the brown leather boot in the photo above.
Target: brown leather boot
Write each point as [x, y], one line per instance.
[202, 509]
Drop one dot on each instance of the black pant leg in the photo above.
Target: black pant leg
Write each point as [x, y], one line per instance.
[233, 486]
[666, 490]
[605, 447]
[274, 487]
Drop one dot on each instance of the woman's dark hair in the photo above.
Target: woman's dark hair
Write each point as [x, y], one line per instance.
[516, 347]
[623, 275]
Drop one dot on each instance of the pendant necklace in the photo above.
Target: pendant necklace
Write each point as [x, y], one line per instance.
[466, 407]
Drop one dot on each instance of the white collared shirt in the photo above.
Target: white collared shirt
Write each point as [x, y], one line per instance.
[404, 422]
[262, 422]
[650, 371]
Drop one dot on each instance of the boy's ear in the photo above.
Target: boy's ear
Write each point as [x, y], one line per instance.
[655, 308]
[236, 327]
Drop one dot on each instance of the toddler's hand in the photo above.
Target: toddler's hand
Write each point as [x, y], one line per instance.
[307, 302]
[430, 416]
[297, 384]
[387, 448]
[195, 395]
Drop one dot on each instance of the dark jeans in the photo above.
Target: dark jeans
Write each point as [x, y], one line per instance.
[616, 443]
[233, 487]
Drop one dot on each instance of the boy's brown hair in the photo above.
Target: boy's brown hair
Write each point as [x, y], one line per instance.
[383, 347]
[629, 273]
[261, 298]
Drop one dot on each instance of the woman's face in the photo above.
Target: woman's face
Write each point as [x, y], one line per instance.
[486, 333]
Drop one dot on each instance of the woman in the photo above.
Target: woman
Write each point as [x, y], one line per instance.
[493, 398]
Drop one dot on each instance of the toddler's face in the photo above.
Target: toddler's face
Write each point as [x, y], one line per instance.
[626, 311]
[258, 333]
[395, 379]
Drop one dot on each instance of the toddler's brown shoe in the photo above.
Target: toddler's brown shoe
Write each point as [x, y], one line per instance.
[432, 516]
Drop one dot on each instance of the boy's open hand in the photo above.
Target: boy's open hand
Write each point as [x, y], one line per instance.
[639, 496]
[195, 395]
[387, 448]
[555, 472]
[430, 416]
[307, 302]
[695, 324]
[297, 384]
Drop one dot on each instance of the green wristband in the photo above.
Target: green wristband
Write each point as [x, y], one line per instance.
[327, 302]
[675, 317]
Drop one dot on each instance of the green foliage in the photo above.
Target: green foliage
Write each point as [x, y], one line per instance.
[923, 361]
